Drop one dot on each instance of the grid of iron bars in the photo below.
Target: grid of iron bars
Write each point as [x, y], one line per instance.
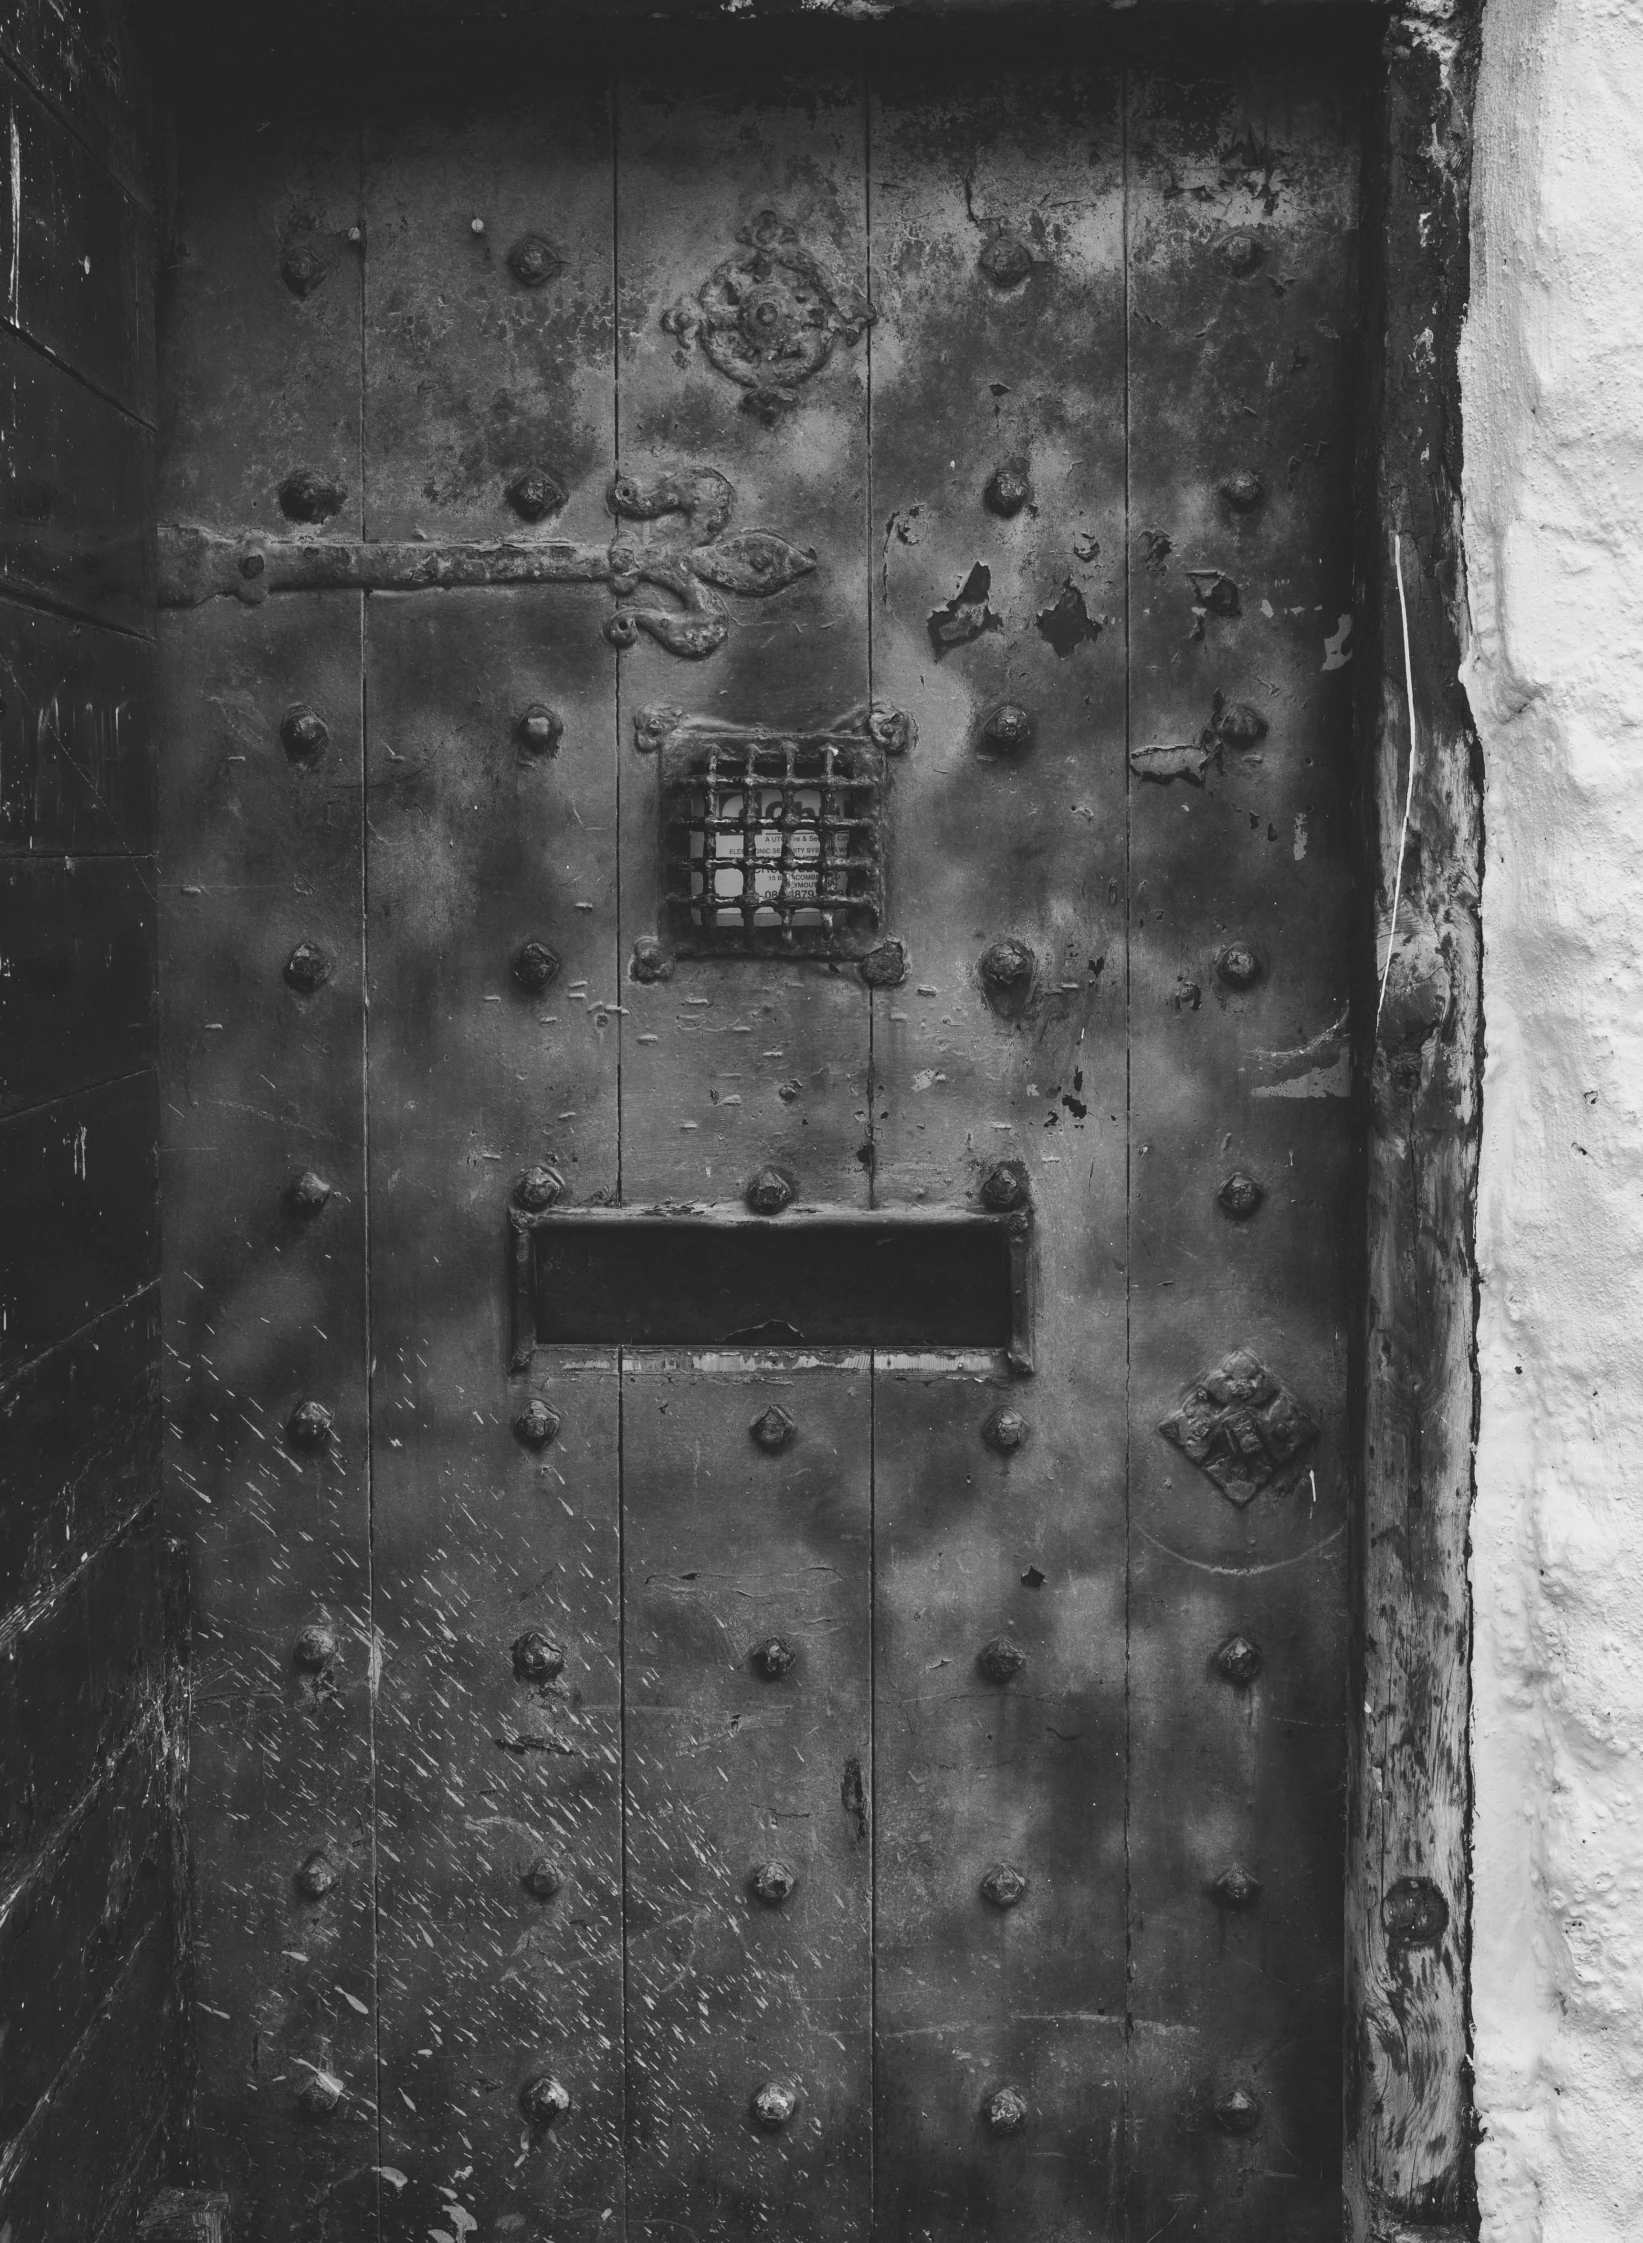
[773, 846]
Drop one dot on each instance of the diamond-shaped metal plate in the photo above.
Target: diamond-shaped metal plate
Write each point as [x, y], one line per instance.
[1240, 1424]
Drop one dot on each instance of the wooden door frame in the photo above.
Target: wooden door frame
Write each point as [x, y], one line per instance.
[1418, 1051]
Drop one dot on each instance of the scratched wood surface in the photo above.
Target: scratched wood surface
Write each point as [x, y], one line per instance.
[749, 1885]
[264, 1313]
[76, 494]
[1241, 364]
[483, 1541]
[729, 1066]
[76, 752]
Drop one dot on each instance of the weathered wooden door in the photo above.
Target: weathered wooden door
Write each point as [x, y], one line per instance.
[761, 1144]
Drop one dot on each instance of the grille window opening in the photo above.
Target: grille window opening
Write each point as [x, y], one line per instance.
[774, 846]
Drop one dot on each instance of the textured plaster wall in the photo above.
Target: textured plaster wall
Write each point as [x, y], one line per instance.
[1553, 424]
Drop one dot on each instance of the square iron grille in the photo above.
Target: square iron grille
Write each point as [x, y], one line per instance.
[773, 846]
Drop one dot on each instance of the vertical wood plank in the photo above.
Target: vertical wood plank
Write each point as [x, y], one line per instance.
[749, 2017]
[999, 353]
[265, 1317]
[731, 1064]
[76, 747]
[1243, 205]
[77, 974]
[76, 495]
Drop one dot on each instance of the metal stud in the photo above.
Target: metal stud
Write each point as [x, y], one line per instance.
[308, 1426]
[1240, 724]
[303, 267]
[1009, 729]
[319, 2094]
[1240, 1195]
[885, 965]
[540, 728]
[536, 1425]
[1238, 1660]
[533, 494]
[1003, 1885]
[543, 1878]
[316, 1876]
[1414, 1913]
[1005, 1185]
[772, 1658]
[538, 1188]
[1007, 970]
[1236, 1888]
[536, 1659]
[1238, 2113]
[535, 966]
[1006, 260]
[1006, 1430]
[532, 261]
[891, 729]
[543, 2100]
[771, 1190]
[1001, 1660]
[314, 1648]
[1241, 252]
[308, 1193]
[773, 2105]
[774, 1429]
[650, 962]
[304, 733]
[1005, 2111]
[1238, 966]
[307, 969]
[1006, 493]
[1242, 489]
[308, 496]
[771, 1883]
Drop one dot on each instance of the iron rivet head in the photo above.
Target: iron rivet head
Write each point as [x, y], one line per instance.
[773, 2105]
[1240, 724]
[307, 969]
[1242, 489]
[535, 966]
[653, 725]
[536, 1425]
[1009, 729]
[533, 494]
[893, 730]
[307, 496]
[314, 1648]
[1237, 2113]
[356, 234]
[304, 733]
[316, 1876]
[1414, 1913]
[650, 961]
[771, 1190]
[772, 1658]
[1005, 2111]
[535, 1659]
[1001, 1660]
[1008, 970]
[1005, 1185]
[252, 564]
[773, 1431]
[885, 965]
[1240, 253]
[543, 2100]
[476, 225]
[1238, 966]
[319, 2094]
[542, 1879]
[302, 267]
[532, 261]
[1003, 1885]
[1239, 1660]
[621, 629]
[1006, 260]
[538, 1188]
[308, 1193]
[1006, 1430]
[1007, 492]
[1240, 1195]
[540, 728]
[1236, 1888]
[308, 1426]
[771, 1883]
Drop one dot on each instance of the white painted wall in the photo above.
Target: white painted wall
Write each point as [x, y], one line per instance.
[1554, 537]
